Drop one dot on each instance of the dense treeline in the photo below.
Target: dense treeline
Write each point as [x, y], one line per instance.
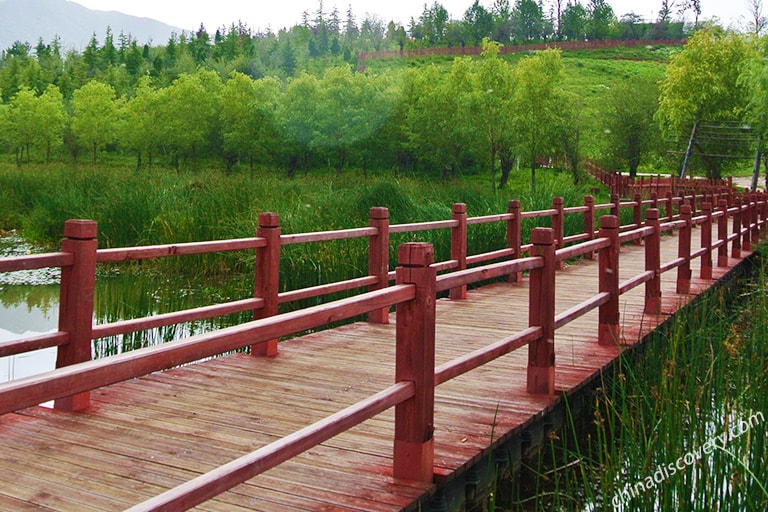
[417, 118]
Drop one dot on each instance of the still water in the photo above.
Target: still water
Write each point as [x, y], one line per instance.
[29, 306]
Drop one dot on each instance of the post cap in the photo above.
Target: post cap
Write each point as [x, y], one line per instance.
[652, 214]
[415, 254]
[379, 213]
[80, 229]
[269, 220]
[543, 236]
[609, 222]
[459, 208]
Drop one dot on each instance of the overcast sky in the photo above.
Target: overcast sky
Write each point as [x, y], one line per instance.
[278, 14]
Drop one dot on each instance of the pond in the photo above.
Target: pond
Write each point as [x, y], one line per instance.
[29, 306]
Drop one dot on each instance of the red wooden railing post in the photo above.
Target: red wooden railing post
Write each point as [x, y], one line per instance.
[589, 222]
[415, 362]
[655, 200]
[267, 278]
[722, 233]
[706, 242]
[378, 259]
[637, 215]
[755, 218]
[78, 283]
[670, 210]
[541, 312]
[746, 219]
[514, 233]
[683, 286]
[736, 244]
[459, 246]
[653, 262]
[608, 332]
[558, 224]
[616, 205]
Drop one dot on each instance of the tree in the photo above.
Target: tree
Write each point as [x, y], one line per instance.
[95, 116]
[478, 23]
[632, 131]
[602, 20]
[437, 127]
[527, 21]
[491, 107]
[297, 115]
[574, 22]
[757, 21]
[52, 120]
[189, 114]
[702, 83]
[141, 130]
[538, 106]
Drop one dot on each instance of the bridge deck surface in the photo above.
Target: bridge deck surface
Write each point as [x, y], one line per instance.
[150, 434]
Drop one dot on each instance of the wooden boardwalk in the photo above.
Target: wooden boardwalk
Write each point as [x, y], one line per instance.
[149, 434]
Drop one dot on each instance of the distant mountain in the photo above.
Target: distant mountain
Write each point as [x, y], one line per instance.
[29, 20]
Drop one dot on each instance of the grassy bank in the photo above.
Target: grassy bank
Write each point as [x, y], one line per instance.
[682, 425]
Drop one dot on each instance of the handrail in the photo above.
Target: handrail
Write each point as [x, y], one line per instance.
[86, 376]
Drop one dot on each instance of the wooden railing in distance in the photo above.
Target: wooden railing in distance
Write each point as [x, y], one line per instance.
[413, 295]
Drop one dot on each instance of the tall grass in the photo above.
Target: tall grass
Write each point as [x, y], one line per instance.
[159, 207]
[668, 405]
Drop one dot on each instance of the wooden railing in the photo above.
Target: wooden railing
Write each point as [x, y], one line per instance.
[413, 295]
[626, 186]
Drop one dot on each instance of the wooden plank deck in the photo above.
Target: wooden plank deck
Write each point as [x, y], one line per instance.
[152, 433]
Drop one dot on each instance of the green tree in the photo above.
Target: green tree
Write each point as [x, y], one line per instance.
[527, 21]
[602, 20]
[702, 83]
[297, 114]
[189, 114]
[539, 106]
[632, 131]
[140, 128]
[95, 116]
[478, 23]
[574, 22]
[52, 118]
[491, 107]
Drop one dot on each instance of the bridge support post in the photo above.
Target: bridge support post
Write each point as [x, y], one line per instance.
[514, 233]
[706, 242]
[415, 362]
[736, 244]
[76, 303]
[722, 233]
[378, 259]
[608, 332]
[683, 285]
[637, 215]
[541, 312]
[589, 222]
[266, 282]
[653, 263]
[459, 246]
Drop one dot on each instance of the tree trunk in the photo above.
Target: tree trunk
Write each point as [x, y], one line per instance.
[507, 160]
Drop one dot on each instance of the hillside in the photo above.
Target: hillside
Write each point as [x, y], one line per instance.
[29, 20]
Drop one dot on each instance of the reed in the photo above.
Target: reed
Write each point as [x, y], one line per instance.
[681, 424]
